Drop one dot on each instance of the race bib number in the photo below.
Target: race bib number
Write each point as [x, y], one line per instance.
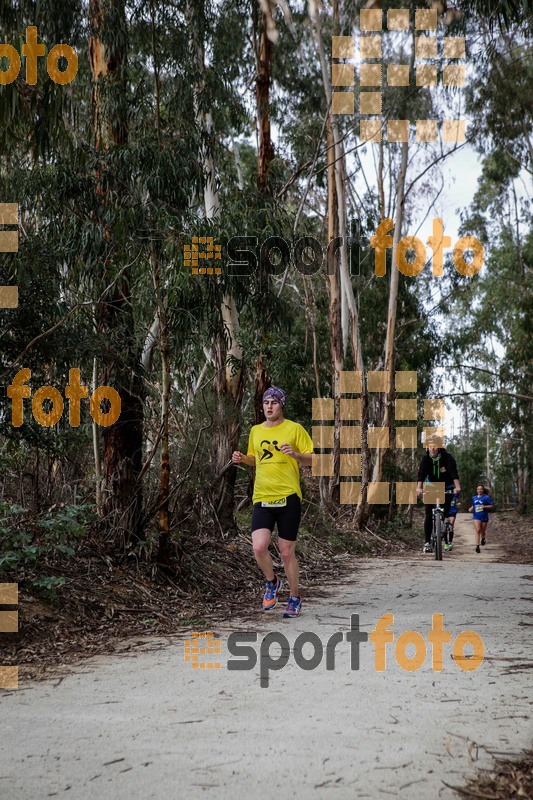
[275, 503]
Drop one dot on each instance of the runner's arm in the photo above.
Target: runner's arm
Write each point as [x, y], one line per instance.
[423, 473]
[240, 458]
[305, 459]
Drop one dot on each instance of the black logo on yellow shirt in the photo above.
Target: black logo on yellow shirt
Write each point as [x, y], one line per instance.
[267, 451]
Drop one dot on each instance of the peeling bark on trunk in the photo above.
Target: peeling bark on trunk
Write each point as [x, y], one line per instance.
[388, 416]
[262, 93]
[228, 356]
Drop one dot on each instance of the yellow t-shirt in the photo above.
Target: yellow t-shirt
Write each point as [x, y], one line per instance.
[277, 475]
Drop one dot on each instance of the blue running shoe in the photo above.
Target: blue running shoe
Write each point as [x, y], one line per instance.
[270, 597]
[294, 607]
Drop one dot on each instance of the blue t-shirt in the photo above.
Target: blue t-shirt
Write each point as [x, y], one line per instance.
[453, 506]
[479, 512]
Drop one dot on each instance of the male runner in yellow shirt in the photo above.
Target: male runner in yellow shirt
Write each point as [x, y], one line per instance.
[275, 448]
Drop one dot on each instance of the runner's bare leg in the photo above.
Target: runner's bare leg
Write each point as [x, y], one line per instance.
[287, 551]
[261, 540]
[477, 526]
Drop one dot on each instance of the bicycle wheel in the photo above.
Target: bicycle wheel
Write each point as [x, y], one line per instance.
[438, 537]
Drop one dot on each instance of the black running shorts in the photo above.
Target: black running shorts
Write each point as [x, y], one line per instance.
[287, 518]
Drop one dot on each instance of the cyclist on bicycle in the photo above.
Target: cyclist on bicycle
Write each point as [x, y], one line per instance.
[437, 465]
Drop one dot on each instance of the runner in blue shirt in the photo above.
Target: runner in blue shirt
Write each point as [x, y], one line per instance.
[481, 502]
[451, 520]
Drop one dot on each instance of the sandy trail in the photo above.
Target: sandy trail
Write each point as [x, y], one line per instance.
[149, 726]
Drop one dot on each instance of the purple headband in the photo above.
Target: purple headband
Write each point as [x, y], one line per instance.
[275, 393]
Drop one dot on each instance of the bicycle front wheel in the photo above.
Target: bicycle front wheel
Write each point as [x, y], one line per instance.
[438, 538]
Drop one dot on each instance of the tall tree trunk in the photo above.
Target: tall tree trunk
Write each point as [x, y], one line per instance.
[229, 387]
[388, 417]
[335, 326]
[352, 317]
[262, 381]
[163, 553]
[337, 302]
[227, 352]
[264, 52]
[96, 449]
[160, 325]
[466, 422]
[122, 442]
[262, 93]
[523, 474]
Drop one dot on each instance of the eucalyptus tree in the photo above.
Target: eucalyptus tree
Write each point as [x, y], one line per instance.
[493, 349]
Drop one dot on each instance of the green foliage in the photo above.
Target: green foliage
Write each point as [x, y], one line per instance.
[65, 524]
[498, 13]
[23, 544]
[46, 586]
[471, 463]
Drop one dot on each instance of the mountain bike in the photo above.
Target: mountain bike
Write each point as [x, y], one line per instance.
[439, 529]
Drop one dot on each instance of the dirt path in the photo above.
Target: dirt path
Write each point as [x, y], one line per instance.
[464, 543]
[149, 726]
